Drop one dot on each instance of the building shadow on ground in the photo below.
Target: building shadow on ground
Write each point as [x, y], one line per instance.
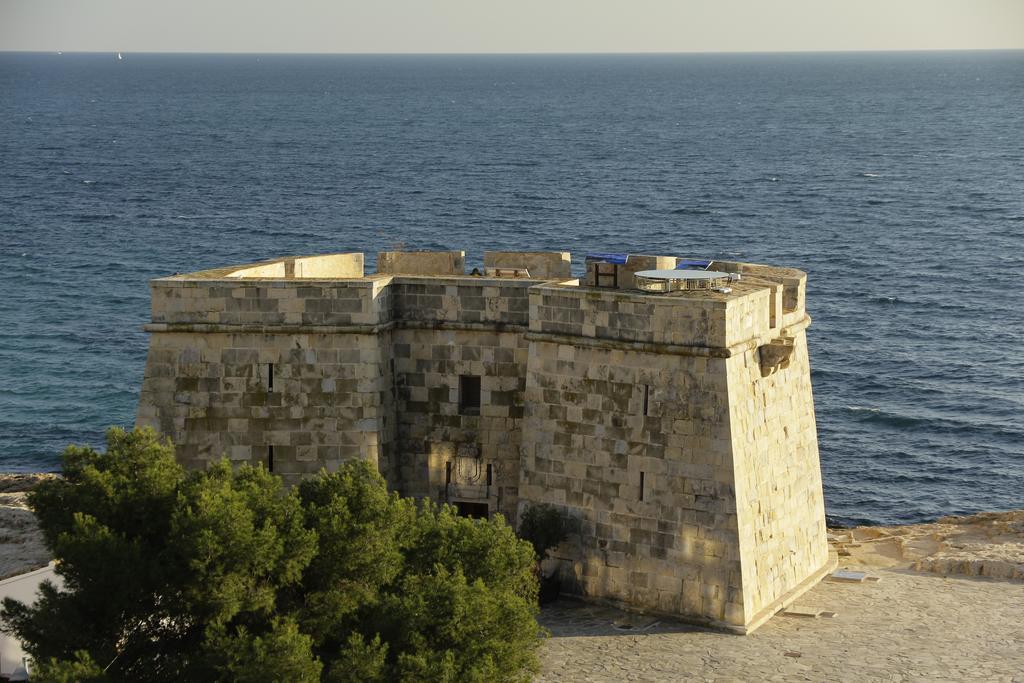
[570, 617]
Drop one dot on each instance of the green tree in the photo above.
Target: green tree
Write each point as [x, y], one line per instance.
[544, 527]
[226, 575]
[400, 591]
[161, 569]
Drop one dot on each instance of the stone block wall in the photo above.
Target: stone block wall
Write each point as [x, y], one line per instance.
[778, 478]
[258, 303]
[348, 265]
[316, 399]
[541, 264]
[493, 302]
[697, 320]
[793, 282]
[598, 420]
[433, 434]
[449, 328]
[385, 371]
[681, 388]
[440, 263]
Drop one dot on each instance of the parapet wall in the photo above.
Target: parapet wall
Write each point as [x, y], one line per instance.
[439, 263]
[473, 301]
[708, 320]
[548, 265]
[257, 302]
[326, 266]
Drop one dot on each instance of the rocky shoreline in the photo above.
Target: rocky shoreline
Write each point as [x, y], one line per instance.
[986, 544]
[21, 543]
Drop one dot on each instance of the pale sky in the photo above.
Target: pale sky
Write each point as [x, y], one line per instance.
[452, 26]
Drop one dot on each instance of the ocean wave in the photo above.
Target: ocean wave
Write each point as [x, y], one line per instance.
[936, 424]
[691, 211]
[971, 208]
[93, 217]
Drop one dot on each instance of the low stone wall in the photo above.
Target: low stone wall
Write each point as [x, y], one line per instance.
[347, 265]
[439, 263]
[548, 265]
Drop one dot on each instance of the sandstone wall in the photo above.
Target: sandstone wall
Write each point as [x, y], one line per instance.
[486, 303]
[541, 264]
[212, 394]
[449, 328]
[706, 320]
[586, 444]
[216, 343]
[434, 434]
[384, 371]
[709, 398]
[778, 478]
[440, 263]
[259, 304]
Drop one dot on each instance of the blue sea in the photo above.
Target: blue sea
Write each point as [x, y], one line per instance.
[895, 180]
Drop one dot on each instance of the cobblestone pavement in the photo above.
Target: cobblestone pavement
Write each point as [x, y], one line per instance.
[906, 627]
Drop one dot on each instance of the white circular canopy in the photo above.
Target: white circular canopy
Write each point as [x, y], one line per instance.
[681, 274]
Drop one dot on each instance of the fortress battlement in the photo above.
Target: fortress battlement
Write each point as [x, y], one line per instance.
[676, 426]
[333, 290]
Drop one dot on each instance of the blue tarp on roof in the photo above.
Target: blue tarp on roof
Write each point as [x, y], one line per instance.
[693, 264]
[602, 257]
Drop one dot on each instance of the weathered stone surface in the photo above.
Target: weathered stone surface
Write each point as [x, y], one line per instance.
[421, 262]
[691, 472]
[541, 264]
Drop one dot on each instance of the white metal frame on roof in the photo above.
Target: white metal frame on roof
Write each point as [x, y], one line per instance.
[679, 280]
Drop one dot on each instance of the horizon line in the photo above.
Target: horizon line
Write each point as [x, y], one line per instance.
[522, 54]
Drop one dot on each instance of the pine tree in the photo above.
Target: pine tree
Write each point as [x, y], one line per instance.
[225, 575]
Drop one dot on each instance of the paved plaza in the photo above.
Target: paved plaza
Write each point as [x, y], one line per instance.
[905, 627]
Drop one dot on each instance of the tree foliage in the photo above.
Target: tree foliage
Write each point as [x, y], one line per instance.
[227, 575]
[544, 527]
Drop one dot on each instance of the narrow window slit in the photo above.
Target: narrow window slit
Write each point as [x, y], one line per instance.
[270, 458]
[469, 395]
[270, 376]
[641, 486]
[647, 398]
[448, 473]
[490, 474]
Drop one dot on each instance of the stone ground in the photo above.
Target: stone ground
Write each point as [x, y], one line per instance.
[906, 627]
[931, 617]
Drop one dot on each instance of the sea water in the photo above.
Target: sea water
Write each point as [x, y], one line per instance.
[895, 180]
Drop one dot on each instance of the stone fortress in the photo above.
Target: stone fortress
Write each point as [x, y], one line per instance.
[677, 426]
